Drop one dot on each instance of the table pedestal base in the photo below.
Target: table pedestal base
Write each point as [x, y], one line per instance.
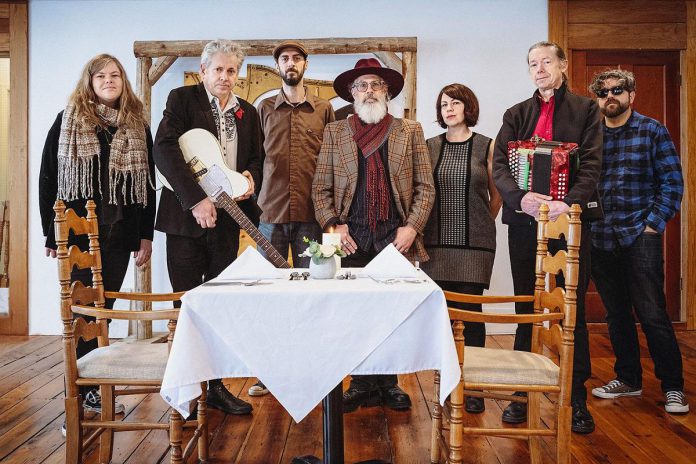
[333, 432]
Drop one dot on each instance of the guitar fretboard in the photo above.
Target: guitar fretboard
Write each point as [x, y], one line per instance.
[229, 205]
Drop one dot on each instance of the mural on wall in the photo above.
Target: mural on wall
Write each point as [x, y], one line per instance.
[261, 79]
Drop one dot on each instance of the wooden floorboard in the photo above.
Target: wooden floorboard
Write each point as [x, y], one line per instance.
[629, 430]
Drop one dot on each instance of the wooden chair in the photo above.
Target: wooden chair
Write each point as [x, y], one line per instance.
[547, 368]
[139, 366]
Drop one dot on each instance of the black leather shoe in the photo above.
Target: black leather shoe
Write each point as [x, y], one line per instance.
[220, 398]
[354, 398]
[515, 413]
[474, 405]
[582, 419]
[395, 398]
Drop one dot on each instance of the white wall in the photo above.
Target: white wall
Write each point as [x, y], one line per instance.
[481, 44]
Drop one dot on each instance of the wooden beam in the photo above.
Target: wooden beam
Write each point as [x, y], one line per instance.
[4, 10]
[330, 46]
[4, 43]
[18, 321]
[689, 167]
[143, 274]
[390, 59]
[159, 68]
[409, 73]
[653, 36]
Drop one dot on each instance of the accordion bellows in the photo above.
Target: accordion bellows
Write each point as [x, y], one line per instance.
[541, 166]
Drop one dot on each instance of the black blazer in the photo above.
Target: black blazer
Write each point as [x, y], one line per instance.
[124, 225]
[188, 108]
[575, 119]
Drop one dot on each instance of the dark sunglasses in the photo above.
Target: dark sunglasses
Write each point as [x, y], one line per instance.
[603, 93]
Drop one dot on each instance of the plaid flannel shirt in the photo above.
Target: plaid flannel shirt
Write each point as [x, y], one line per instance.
[641, 182]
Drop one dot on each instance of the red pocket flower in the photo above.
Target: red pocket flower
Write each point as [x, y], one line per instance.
[239, 113]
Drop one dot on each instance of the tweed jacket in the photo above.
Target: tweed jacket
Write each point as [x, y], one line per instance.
[410, 177]
[188, 108]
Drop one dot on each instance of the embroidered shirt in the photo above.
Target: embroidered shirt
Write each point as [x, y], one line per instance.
[226, 125]
[641, 182]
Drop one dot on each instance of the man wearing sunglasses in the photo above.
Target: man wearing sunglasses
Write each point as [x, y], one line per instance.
[374, 185]
[641, 187]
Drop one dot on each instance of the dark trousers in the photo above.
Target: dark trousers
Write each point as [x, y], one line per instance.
[291, 235]
[474, 332]
[629, 279]
[114, 268]
[367, 382]
[192, 261]
[522, 245]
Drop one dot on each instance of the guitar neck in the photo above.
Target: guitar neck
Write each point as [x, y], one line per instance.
[229, 205]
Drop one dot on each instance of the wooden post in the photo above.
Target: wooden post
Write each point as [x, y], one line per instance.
[143, 274]
[409, 73]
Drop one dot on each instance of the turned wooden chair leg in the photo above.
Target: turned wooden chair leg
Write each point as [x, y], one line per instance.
[106, 439]
[203, 424]
[563, 435]
[73, 438]
[534, 422]
[437, 423]
[176, 423]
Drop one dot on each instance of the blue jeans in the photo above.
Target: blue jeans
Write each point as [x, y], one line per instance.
[291, 235]
[629, 279]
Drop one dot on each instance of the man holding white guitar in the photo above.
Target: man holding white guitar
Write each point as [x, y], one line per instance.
[202, 240]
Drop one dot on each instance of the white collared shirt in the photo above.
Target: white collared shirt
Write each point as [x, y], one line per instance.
[226, 123]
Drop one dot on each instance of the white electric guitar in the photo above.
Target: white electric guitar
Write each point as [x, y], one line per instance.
[203, 156]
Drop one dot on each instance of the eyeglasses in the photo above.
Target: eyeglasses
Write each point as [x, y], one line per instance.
[374, 85]
[604, 93]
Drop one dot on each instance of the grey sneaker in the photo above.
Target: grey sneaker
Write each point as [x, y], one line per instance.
[92, 403]
[615, 389]
[675, 402]
[258, 389]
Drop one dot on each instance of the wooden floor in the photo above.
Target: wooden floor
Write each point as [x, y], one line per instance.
[629, 430]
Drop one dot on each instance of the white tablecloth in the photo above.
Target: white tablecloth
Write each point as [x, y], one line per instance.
[301, 338]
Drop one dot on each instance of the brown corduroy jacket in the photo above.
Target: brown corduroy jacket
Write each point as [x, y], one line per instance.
[410, 176]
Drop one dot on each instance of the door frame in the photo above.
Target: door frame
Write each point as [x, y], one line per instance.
[17, 321]
[565, 31]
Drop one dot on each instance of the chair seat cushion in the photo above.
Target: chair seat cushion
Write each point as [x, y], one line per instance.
[141, 361]
[489, 365]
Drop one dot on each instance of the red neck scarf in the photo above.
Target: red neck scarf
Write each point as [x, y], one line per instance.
[369, 138]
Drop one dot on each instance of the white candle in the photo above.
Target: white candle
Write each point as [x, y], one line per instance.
[332, 239]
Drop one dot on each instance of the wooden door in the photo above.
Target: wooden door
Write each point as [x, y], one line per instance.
[657, 96]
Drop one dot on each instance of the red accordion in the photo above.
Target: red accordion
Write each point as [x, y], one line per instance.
[542, 166]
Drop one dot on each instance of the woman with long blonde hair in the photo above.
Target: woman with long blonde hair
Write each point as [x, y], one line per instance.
[100, 148]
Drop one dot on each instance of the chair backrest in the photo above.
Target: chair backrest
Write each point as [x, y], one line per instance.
[549, 297]
[67, 221]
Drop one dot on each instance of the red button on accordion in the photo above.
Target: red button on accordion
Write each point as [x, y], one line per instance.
[542, 166]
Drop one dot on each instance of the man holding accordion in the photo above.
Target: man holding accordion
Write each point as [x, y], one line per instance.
[553, 113]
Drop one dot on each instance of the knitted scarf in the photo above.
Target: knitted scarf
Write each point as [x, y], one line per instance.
[78, 148]
[369, 138]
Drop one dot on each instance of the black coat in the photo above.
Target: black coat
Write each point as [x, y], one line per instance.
[121, 226]
[575, 119]
[188, 108]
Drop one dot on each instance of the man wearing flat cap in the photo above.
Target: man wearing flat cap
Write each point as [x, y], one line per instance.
[293, 125]
[374, 185]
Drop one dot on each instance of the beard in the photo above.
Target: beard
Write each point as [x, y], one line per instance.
[292, 81]
[371, 112]
[615, 111]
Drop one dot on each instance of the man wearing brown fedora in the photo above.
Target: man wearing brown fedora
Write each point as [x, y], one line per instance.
[293, 124]
[374, 185]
